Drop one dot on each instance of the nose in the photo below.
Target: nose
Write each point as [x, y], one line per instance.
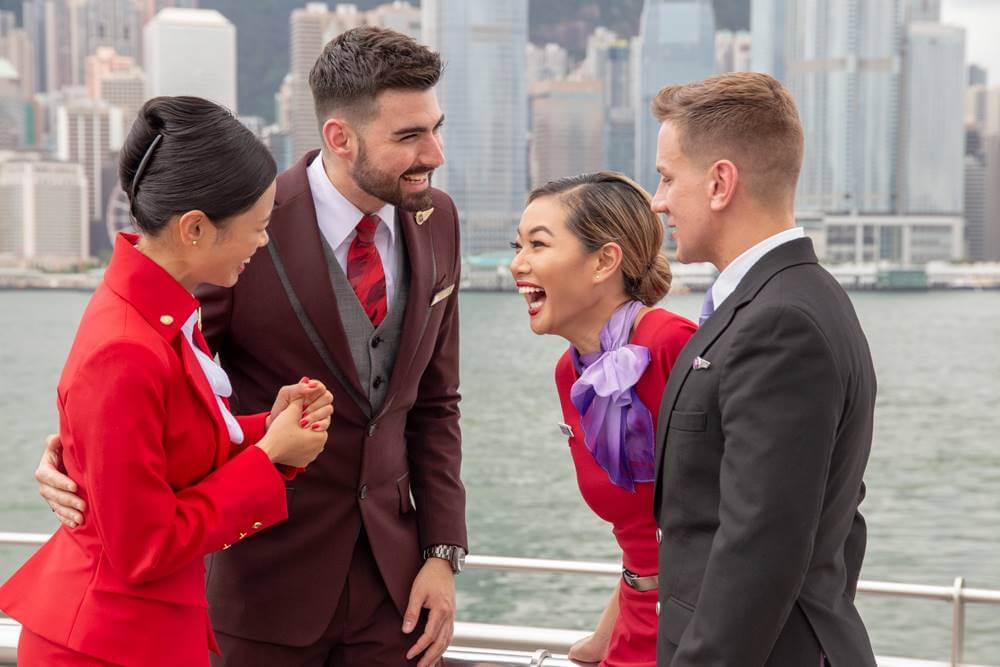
[659, 203]
[433, 153]
[518, 266]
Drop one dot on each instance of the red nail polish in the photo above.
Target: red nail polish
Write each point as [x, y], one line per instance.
[315, 427]
[303, 423]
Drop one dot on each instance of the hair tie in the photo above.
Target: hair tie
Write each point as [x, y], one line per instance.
[144, 161]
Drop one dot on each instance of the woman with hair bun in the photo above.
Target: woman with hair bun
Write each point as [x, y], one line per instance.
[167, 472]
[590, 266]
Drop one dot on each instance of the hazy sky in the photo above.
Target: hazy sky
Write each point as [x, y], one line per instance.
[981, 20]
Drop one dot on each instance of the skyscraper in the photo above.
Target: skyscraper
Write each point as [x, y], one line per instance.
[609, 60]
[399, 16]
[484, 94]
[977, 197]
[842, 66]
[90, 134]
[12, 108]
[677, 46]
[978, 76]
[151, 8]
[115, 24]
[17, 49]
[567, 133]
[933, 133]
[191, 52]
[769, 26]
[311, 28]
[43, 213]
[733, 51]
[922, 10]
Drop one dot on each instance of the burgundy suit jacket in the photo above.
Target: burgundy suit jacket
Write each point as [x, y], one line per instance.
[396, 472]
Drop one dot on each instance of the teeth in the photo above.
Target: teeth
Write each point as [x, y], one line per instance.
[535, 305]
[529, 290]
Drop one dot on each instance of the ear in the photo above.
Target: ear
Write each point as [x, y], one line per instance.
[339, 138]
[607, 260]
[723, 180]
[193, 228]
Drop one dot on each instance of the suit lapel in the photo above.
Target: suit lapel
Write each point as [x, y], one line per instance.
[196, 376]
[784, 256]
[419, 251]
[296, 235]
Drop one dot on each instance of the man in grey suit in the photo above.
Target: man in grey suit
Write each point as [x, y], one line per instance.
[766, 423]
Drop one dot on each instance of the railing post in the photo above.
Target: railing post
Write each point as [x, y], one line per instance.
[958, 623]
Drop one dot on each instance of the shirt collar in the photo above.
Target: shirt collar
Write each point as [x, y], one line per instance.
[159, 298]
[731, 276]
[336, 215]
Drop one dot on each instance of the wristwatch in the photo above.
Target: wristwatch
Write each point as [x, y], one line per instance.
[454, 555]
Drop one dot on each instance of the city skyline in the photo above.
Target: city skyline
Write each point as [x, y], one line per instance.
[880, 86]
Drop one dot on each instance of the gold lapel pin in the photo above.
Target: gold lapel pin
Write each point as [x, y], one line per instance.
[166, 320]
[422, 216]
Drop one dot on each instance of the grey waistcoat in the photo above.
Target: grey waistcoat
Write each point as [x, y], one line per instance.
[373, 350]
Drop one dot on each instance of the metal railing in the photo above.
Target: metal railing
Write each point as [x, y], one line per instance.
[523, 643]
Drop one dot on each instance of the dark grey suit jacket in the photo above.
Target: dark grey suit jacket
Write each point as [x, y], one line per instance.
[760, 459]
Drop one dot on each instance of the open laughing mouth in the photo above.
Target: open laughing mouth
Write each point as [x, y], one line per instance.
[534, 295]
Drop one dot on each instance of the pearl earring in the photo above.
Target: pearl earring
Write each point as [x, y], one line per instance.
[195, 242]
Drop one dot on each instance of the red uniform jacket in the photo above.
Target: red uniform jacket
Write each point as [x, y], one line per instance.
[143, 437]
[283, 587]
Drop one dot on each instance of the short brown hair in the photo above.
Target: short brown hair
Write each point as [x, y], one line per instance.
[608, 207]
[360, 63]
[746, 117]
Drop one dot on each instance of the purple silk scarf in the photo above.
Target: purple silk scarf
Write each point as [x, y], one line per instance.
[617, 427]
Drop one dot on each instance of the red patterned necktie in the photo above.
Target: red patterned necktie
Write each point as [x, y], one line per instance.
[364, 270]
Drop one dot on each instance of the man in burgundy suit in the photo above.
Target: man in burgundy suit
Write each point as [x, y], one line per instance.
[357, 288]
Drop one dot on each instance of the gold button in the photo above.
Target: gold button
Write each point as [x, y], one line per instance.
[166, 320]
[226, 546]
[257, 525]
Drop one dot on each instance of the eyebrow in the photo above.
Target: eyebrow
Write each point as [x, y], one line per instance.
[417, 129]
[540, 228]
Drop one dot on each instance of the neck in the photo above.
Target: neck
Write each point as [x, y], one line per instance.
[585, 333]
[341, 179]
[748, 228]
[157, 251]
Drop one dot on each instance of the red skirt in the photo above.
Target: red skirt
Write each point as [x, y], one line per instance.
[36, 651]
[633, 640]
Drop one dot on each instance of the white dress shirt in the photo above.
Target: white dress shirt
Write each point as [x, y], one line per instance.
[217, 380]
[338, 218]
[733, 274]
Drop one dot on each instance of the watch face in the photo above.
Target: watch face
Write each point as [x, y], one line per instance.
[458, 560]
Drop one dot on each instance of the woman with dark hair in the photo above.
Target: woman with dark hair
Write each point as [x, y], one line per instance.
[590, 264]
[168, 473]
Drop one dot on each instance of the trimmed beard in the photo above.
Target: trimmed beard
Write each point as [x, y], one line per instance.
[386, 187]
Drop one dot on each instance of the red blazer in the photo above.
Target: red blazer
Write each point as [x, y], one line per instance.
[372, 462]
[143, 436]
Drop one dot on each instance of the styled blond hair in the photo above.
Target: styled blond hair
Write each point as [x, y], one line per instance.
[745, 117]
[608, 207]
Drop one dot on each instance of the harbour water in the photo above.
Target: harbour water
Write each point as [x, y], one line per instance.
[933, 505]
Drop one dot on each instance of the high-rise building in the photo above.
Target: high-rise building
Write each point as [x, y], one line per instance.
[114, 24]
[677, 40]
[567, 131]
[922, 10]
[115, 79]
[191, 52]
[978, 76]
[13, 108]
[545, 63]
[311, 28]
[842, 67]
[90, 134]
[43, 213]
[485, 136]
[982, 108]
[769, 26]
[733, 51]
[17, 49]
[933, 133]
[609, 60]
[991, 228]
[976, 208]
[151, 8]
[399, 16]
[64, 28]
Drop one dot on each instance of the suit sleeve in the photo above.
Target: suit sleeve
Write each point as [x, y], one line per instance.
[116, 412]
[216, 313]
[433, 438]
[780, 398]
